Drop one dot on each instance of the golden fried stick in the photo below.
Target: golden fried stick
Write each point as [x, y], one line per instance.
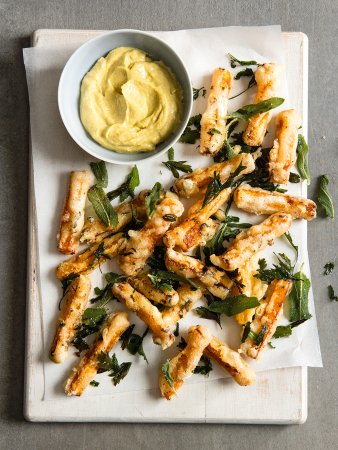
[258, 201]
[193, 231]
[141, 243]
[266, 318]
[216, 281]
[182, 365]
[74, 303]
[94, 229]
[197, 181]
[88, 367]
[213, 121]
[267, 78]
[188, 296]
[253, 240]
[87, 261]
[146, 311]
[72, 218]
[283, 153]
[231, 361]
[143, 284]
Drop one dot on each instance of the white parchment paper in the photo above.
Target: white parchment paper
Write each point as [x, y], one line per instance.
[55, 154]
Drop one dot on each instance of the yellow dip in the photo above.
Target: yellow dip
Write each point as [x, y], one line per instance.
[130, 103]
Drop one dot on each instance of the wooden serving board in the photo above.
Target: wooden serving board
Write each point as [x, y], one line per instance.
[278, 397]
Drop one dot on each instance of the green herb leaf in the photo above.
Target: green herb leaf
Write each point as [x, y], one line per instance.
[94, 383]
[248, 333]
[234, 62]
[204, 367]
[65, 283]
[205, 313]
[252, 81]
[92, 320]
[153, 198]
[299, 297]
[233, 305]
[324, 198]
[196, 92]
[328, 268]
[271, 345]
[162, 279]
[261, 334]
[127, 189]
[157, 259]
[192, 130]
[133, 342]
[116, 371]
[102, 207]
[295, 247]
[282, 331]
[176, 166]
[177, 329]
[248, 111]
[281, 271]
[214, 131]
[165, 370]
[99, 169]
[99, 254]
[171, 154]
[294, 177]
[302, 158]
[112, 278]
[244, 73]
[332, 295]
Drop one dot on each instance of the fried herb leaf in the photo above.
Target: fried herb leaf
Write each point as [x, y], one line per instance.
[157, 259]
[299, 297]
[281, 271]
[112, 278]
[94, 383]
[165, 370]
[271, 345]
[282, 331]
[205, 313]
[196, 92]
[204, 367]
[295, 247]
[234, 62]
[65, 283]
[248, 111]
[127, 188]
[233, 305]
[99, 254]
[261, 334]
[294, 177]
[153, 198]
[332, 295]
[177, 329]
[328, 268]
[162, 279]
[99, 169]
[110, 364]
[192, 130]
[92, 320]
[248, 333]
[324, 198]
[102, 207]
[176, 166]
[302, 158]
[252, 82]
[133, 342]
[244, 73]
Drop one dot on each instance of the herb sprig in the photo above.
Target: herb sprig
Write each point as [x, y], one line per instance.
[134, 342]
[197, 92]
[192, 130]
[176, 166]
[110, 364]
[127, 189]
[324, 197]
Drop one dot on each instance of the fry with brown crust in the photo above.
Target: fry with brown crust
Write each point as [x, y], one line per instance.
[87, 261]
[283, 153]
[216, 281]
[267, 79]
[74, 303]
[143, 284]
[253, 240]
[213, 121]
[88, 367]
[94, 229]
[141, 243]
[72, 218]
[188, 296]
[146, 311]
[266, 317]
[197, 181]
[231, 361]
[259, 201]
[182, 365]
[193, 231]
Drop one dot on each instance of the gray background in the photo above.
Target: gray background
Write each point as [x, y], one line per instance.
[18, 19]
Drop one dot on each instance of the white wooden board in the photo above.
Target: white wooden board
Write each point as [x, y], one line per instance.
[278, 397]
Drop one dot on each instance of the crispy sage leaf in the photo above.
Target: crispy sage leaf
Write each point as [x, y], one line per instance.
[99, 169]
[153, 198]
[234, 62]
[192, 130]
[248, 111]
[165, 370]
[302, 158]
[324, 198]
[102, 206]
[282, 331]
[328, 268]
[205, 313]
[332, 295]
[162, 279]
[299, 297]
[233, 305]
[127, 189]
[196, 92]
[116, 371]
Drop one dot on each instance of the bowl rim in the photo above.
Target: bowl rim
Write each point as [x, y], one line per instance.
[153, 154]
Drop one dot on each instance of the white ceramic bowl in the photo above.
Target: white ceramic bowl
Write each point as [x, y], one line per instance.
[81, 62]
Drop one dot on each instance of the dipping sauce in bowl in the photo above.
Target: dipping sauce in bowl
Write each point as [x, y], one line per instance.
[130, 103]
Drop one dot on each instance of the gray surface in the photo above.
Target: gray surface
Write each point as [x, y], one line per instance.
[18, 19]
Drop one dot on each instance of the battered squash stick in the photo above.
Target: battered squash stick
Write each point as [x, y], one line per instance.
[195, 229]
[146, 311]
[267, 316]
[213, 130]
[182, 365]
[143, 284]
[88, 367]
[87, 261]
[197, 181]
[72, 218]
[253, 240]
[267, 78]
[258, 201]
[216, 281]
[141, 243]
[74, 303]
[249, 286]
[283, 153]
[94, 229]
[230, 361]
[188, 296]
